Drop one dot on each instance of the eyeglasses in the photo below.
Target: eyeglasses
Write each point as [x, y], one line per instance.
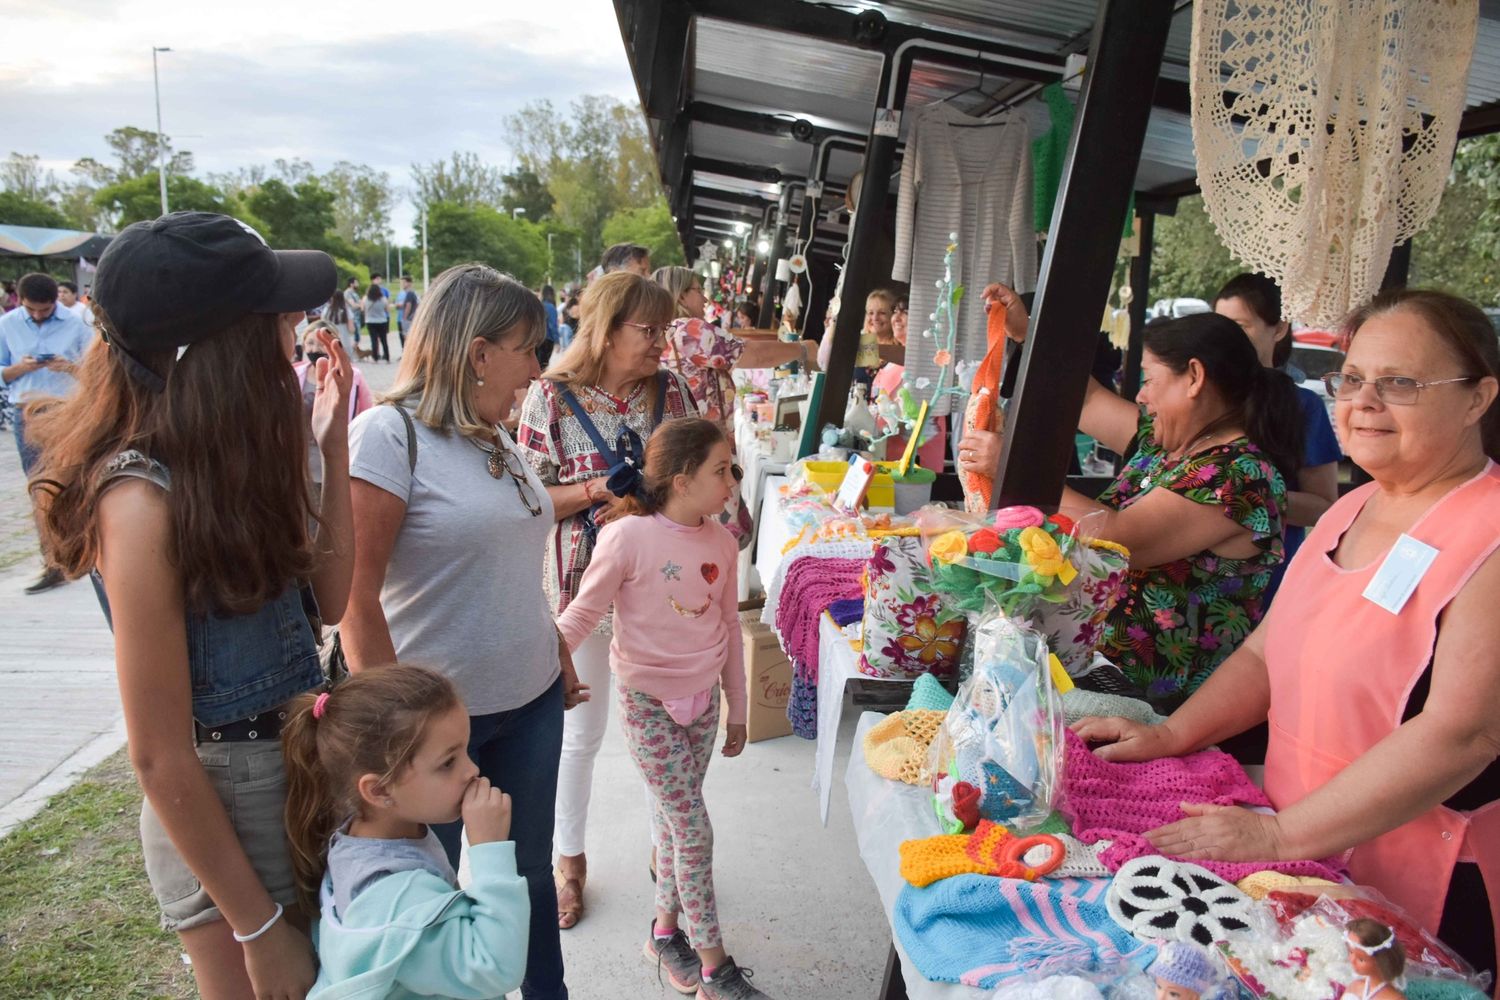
[1399, 390]
[650, 331]
[505, 462]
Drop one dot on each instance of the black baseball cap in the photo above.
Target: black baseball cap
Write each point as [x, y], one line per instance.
[186, 276]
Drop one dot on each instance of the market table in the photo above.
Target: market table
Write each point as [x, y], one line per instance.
[886, 813]
[838, 668]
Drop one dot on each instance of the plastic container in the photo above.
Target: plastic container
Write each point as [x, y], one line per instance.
[828, 475]
[912, 491]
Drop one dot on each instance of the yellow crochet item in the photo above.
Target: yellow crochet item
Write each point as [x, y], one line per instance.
[990, 850]
[1257, 886]
[897, 747]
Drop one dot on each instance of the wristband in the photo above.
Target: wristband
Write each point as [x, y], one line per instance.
[247, 938]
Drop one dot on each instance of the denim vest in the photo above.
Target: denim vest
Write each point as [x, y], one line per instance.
[241, 665]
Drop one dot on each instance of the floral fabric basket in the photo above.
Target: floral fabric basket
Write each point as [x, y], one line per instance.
[909, 628]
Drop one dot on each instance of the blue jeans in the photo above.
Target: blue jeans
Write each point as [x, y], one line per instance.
[30, 453]
[519, 751]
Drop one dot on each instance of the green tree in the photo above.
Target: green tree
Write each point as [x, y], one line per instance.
[457, 234]
[362, 201]
[651, 227]
[24, 175]
[523, 189]
[595, 161]
[17, 209]
[139, 198]
[1459, 250]
[462, 179]
[296, 216]
[1187, 258]
[136, 149]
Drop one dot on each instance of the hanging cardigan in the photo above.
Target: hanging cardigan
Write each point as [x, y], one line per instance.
[975, 182]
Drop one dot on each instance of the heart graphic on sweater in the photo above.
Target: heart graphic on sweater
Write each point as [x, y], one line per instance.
[710, 572]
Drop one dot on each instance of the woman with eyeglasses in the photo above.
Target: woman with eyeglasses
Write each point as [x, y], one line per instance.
[1200, 504]
[594, 408]
[1378, 665]
[450, 528]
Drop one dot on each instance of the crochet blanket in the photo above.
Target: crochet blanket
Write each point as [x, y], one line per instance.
[1120, 802]
[810, 586]
[980, 930]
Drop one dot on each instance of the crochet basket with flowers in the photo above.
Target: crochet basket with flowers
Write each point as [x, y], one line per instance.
[1045, 571]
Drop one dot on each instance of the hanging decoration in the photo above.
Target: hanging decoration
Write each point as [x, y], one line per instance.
[1313, 164]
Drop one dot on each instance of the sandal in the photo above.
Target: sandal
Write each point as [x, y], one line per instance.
[569, 898]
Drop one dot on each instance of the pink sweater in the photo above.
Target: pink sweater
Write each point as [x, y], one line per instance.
[676, 598]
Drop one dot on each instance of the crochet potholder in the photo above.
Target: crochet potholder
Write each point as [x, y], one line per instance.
[1156, 898]
[896, 748]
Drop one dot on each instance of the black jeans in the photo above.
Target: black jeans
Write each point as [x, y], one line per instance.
[379, 349]
[519, 751]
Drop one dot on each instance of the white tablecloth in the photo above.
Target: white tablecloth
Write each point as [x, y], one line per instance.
[886, 813]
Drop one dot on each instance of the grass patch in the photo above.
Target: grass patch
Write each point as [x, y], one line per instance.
[77, 918]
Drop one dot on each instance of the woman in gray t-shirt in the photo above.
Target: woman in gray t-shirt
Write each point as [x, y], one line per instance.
[449, 545]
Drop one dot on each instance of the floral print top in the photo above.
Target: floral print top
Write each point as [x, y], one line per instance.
[561, 452]
[703, 353]
[1179, 621]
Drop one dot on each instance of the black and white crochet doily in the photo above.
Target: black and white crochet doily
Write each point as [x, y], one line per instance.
[1155, 898]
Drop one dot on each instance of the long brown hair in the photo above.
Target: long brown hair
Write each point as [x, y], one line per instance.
[372, 723]
[1390, 960]
[1462, 327]
[678, 448]
[608, 302]
[231, 429]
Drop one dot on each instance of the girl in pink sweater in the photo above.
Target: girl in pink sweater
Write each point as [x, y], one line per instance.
[670, 573]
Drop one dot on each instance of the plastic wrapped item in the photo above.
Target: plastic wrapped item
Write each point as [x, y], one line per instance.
[1048, 571]
[1003, 733]
[1426, 956]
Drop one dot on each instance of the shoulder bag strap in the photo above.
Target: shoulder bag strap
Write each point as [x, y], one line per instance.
[411, 437]
[663, 379]
[587, 424]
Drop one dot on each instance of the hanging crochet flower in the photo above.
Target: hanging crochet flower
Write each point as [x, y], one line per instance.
[984, 541]
[1044, 557]
[942, 359]
[930, 643]
[1010, 518]
[949, 547]
[1063, 522]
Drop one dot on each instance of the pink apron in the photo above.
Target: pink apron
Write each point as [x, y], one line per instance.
[1342, 669]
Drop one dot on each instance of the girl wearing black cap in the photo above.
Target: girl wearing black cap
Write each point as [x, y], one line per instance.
[178, 476]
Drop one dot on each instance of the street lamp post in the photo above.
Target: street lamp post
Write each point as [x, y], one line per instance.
[549, 257]
[161, 146]
[518, 210]
[424, 250]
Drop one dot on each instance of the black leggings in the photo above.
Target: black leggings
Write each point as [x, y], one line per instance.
[379, 349]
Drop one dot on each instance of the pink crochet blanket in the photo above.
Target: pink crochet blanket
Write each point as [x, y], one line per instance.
[810, 586]
[1119, 802]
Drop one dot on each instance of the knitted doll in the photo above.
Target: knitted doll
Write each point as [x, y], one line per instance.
[1378, 960]
[1183, 971]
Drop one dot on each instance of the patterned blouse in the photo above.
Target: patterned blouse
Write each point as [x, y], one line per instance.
[703, 353]
[1179, 621]
[559, 449]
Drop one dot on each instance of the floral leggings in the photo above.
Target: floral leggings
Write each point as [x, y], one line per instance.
[673, 759]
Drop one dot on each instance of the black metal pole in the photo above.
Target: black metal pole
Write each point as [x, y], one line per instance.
[1098, 174]
[1398, 268]
[859, 272]
[778, 251]
[1140, 291]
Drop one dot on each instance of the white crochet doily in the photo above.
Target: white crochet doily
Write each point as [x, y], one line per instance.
[1336, 142]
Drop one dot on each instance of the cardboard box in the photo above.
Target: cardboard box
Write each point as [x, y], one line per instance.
[768, 681]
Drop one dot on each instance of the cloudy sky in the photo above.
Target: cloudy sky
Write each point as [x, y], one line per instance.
[376, 82]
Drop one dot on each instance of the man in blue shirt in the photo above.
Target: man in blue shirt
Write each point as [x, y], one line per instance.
[406, 308]
[40, 345]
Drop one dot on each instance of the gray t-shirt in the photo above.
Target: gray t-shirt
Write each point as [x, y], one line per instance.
[463, 590]
[356, 863]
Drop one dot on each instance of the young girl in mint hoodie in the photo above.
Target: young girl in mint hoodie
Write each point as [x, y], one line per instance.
[371, 766]
[670, 573]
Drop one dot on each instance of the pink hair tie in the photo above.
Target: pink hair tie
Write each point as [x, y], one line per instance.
[320, 706]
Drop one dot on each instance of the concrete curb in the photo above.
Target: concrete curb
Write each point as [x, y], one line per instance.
[61, 777]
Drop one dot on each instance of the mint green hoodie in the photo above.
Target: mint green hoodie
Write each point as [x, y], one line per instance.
[411, 934]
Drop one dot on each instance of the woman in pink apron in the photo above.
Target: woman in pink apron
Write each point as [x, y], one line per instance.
[1379, 663]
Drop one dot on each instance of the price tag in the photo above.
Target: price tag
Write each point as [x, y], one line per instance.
[1399, 575]
[887, 123]
[856, 481]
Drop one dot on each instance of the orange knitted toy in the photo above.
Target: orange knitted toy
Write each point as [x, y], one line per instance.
[984, 406]
[990, 850]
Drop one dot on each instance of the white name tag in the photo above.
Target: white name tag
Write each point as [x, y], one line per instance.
[1399, 575]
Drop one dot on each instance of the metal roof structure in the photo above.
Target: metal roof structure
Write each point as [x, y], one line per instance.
[762, 111]
[762, 84]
